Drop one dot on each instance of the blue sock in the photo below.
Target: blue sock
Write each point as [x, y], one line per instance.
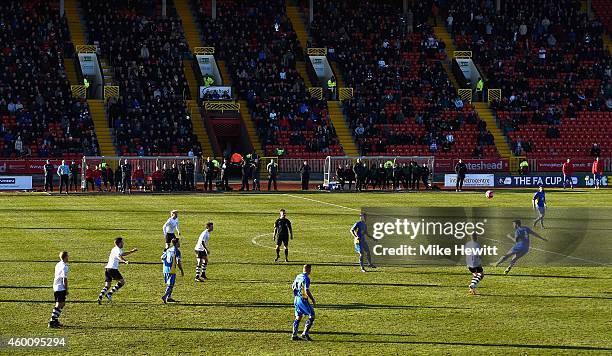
[168, 292]
[296, 325]
[308, 326]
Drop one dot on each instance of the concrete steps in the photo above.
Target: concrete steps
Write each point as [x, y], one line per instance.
[227, 80]
[250, 126]
[71, 71]
[98, 116]
[301, 68]
[486, 114]
[191, 79]
[73, 17]
[199, 128]
[190, 28]
[107, 71]
[339, 79]
[295, 16]
[342, 130]
[442, 34]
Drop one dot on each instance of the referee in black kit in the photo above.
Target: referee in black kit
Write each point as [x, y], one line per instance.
[282, 232]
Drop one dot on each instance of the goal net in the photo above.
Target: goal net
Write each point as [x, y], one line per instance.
[147, 164]
[333, 162]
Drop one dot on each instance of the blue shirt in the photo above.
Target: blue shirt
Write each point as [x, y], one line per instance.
[171, 257]
[521, 234]
[361, 229]
[541, 198]
[300, 285]
[63, 169]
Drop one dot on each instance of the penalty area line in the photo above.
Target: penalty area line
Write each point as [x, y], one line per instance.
[255, 242]
[322, 202]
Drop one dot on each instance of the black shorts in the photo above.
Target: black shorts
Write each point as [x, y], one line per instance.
[201, 254]
[60, 296]
[282, 240]
[111, 274]
[169, 237]
[476, 269]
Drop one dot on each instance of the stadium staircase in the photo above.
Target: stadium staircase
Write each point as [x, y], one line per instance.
[442, 34]
[486, 114]
[339, 79]
[249, 125]
[342, 130]
[107, 71]
[70, 71]
[296, 18]
[77, 35]
[198, 127]
[98, 116]
[227, 80]
[608, 43]
[192, 36]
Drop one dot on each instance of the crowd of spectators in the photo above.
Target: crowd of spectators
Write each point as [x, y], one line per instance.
[259, 43]
[39, 116]
[146, 51]
[549, 61]
[404, 102]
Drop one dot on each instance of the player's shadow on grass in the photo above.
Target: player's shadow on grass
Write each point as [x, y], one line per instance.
[472, 344]
[73, 228]
[546, 296]
[501, 274]
[352, 306]
[234, 330]
[34, 287]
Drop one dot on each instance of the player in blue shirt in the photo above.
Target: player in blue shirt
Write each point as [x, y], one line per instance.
[171, 258]
[360, 233]
[539, 204]
[301, 293]
[521, 244]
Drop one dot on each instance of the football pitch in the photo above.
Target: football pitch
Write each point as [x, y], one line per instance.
[246, 306]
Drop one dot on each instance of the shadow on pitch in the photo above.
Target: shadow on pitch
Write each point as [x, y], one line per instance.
[472, 344]
[546, 296]
[501, 274]
[34, 287]
[352, 306]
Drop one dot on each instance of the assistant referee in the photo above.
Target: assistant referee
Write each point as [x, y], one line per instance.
[282, 233]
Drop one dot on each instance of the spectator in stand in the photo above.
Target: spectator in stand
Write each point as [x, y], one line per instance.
[63, 171]
[109, 177]
[305, 175]
[74, 176]
[49, 170]
[595, 150]
[597, 171]
[460, 171]
[568, 171]
[157, 178]
[97, 174]
[139, 177]
[190, 168]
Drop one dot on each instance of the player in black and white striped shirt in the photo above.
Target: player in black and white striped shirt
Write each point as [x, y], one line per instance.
[474, 263]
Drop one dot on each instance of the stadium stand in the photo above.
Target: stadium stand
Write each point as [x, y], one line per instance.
[257, 41]
[39, 116]
[405, 103]
[146, 53]
[551, 65]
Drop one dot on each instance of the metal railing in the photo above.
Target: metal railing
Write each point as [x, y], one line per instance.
[86, 49]
[462, 54]
[316, 92]
[78, 91]
[493, 95]
[221, 106]
[316, 51]
[345, 93]
[111, 91]
[465, 95]
[203, 50]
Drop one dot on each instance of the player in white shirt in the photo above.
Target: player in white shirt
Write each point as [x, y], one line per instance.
[201, 250]
[171, 225]
[474, 263]
[112, 270]
[60, 289]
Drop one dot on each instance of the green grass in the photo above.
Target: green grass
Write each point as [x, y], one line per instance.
[246, 306]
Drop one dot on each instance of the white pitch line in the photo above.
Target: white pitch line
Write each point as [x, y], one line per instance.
[323, 202]
[557, 253]
[256, 243]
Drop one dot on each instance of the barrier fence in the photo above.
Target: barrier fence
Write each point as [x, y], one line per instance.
[33, 166]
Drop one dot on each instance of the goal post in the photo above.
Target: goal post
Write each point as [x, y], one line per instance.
[332, 162]
[148, 164]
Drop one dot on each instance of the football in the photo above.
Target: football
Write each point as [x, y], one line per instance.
[489, 194]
